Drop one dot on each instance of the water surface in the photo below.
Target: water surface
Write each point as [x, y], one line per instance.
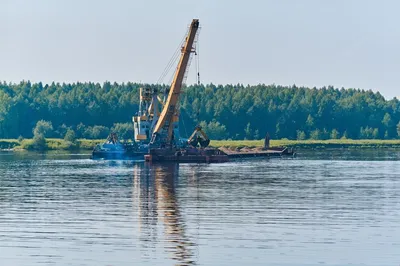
[336, 208]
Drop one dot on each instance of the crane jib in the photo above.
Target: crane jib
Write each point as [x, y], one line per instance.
[163, 131]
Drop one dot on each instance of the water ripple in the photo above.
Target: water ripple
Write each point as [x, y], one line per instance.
[69, 210]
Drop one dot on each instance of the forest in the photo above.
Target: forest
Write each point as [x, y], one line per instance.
[92, 110]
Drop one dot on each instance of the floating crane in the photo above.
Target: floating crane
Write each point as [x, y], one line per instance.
[161, 129]
[164, 146]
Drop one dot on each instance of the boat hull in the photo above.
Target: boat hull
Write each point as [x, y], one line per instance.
[118, 155]
[188, 155]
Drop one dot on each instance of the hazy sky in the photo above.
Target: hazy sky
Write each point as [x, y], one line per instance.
[349, 43]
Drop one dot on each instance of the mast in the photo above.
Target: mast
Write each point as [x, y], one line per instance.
[163, 131]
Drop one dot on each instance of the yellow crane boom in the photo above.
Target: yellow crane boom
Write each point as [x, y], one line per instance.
[163, 131]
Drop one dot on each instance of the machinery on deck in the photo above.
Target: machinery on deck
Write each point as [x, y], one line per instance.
[199, 137]
[149, 112]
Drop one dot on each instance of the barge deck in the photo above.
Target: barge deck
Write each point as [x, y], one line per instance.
[211, 155]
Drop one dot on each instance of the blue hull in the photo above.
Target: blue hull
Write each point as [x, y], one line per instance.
[118, 155]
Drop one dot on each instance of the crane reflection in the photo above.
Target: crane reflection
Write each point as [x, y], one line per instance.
[155, 198]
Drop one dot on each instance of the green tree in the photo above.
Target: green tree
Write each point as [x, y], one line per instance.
[214, 130]
[310, 121]
[324, 134]
[375, 133]
[386, 136]
[44, 128]
[344, 136]
[39, 142]
[387, 120]
[248, 132]
[363, 133]
[334, 134]
[41, 129]
[281, 110]
[398, 129]
[123, 130]
[96, 132]
[100, 132]
[369, 133]
[80, 130]
[5, 105]
[301, 135]
[315, 134]
[70, 136]
[88, 133]
[61, 131]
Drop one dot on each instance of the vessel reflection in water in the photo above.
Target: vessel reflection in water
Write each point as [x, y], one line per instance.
[155, 198]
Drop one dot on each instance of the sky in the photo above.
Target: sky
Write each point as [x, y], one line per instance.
[343, 43]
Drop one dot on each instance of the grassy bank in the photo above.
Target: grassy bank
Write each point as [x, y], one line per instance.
[52, 144]
[8, 143]
[88, 144]
[312, 144]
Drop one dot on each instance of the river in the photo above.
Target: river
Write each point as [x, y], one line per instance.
[334, 207]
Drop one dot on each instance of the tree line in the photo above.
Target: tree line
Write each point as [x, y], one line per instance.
[92, 110]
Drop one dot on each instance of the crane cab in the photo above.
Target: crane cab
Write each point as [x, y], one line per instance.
[141, 128]
[144, 121]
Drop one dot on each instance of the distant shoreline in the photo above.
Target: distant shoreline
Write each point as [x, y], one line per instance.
[88, 144]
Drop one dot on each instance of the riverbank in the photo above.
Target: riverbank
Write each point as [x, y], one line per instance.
[311, 144]
[51, 143]
[88, 144]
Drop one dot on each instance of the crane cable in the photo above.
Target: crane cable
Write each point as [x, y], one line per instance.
[198, 62]
[168, 67]
[173, 60]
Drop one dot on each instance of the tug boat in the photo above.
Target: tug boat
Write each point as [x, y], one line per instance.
[113, 149]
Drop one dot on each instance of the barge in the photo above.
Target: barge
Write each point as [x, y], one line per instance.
[212, 155]
[187, 155]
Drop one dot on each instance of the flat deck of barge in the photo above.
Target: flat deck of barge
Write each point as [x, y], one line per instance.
[212, 155]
